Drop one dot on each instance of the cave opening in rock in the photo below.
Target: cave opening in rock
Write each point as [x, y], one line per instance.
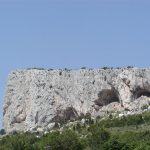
[63, 116]
[106, 97]
[141, 92]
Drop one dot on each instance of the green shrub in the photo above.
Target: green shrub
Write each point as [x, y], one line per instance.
[67, 140]
[124, 121]
[97, 137]
[115, 144]
[135, 120]
[146, 117]
[2, 132]
[108, 134]
[143, 147]
[144, 107]
[19, 142]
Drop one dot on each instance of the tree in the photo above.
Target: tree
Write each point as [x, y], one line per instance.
[98, 137]
[115, 144]
[67, 140]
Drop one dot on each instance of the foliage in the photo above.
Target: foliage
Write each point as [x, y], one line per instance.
[19, 142]
[98, 137]
[125, 133]
[115, 144]
[2, 132]
[144, 107]
[136, 119]
[67, 140]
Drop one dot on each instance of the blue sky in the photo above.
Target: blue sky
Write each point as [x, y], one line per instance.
[72, 34]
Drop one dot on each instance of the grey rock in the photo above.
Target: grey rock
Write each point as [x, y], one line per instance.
[37, 98]
[51, 126]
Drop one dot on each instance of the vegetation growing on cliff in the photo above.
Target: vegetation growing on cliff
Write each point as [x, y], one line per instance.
[125, 133]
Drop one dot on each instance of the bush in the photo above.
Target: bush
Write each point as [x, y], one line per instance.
[19, 142]
[143, 147]
[135, 120]
[2, 132]
[90, 136]
[67, 140]
[146, 117]
[124, 121]
[98, 137]
[115, 144]
[144, 107]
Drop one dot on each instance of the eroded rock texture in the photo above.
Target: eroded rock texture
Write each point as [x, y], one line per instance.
[37, 98]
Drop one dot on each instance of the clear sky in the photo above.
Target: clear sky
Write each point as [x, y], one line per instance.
[72, 34]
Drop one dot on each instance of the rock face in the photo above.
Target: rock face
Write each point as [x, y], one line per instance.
[35, 98]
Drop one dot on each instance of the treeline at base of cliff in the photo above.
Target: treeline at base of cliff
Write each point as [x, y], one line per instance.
[124, 133]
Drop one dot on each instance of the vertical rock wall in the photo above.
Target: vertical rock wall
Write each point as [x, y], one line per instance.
[36, 98]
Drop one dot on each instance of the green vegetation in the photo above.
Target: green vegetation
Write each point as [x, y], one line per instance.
[144, 107]
[125, 133]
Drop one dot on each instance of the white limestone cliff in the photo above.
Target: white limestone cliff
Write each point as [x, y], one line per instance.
[36, 99]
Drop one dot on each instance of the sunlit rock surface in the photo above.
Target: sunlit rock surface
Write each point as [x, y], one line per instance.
[37, 98]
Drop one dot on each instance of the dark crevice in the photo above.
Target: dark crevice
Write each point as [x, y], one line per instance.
[64, 115]
[138, 92]
[36, 117]
[106, 97]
